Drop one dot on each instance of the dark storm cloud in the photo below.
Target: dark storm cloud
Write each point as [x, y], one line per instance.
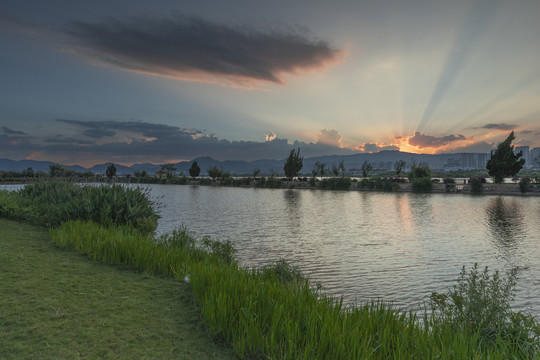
[501, 126]
[423, 140]
[9, 131]
[98, 133]
[189, 45]
[109, 128]
[373, 147]
[479, 147]
[159, 142]
[66, 140]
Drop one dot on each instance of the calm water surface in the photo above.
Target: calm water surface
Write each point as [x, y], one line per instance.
[399, 247]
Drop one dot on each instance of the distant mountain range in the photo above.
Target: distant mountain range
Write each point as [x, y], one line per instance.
[383, 160]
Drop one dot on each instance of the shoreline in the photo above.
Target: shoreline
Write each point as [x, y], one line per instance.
[504, 189]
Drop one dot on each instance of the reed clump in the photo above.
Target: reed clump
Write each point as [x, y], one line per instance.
[50, 203]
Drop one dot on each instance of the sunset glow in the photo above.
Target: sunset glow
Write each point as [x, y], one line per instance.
[83, 83]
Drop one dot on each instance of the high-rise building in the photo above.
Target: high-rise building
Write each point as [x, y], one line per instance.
[526, 154]
[535, 157]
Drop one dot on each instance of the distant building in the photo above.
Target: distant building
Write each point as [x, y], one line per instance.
[535, 157]
[526, 155]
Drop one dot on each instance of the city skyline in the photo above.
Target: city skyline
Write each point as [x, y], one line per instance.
[130, 82]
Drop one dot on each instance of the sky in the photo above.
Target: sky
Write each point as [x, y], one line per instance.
[166, 81]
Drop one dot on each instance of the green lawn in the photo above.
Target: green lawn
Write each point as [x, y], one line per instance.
[56, 304]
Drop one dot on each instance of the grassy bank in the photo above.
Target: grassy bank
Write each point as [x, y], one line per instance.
[276, 313]
[58, 305]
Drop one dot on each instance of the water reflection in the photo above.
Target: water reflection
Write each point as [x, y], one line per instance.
[293, 202]
[505, 221]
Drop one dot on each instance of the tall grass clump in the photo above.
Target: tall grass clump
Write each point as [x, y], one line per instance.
[341, 183]
[480, 303]
[52, 203]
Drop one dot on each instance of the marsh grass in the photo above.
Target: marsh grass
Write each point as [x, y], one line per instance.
[51, 203]
[58, 305]
[276, 313]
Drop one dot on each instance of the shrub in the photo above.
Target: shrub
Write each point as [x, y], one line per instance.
[480, 303]
[524, 184]
[335, 183]
[422, 185]
[476, 186]
[52, 203]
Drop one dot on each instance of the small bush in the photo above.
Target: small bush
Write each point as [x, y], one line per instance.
[480, 303]
[335, 183]
[422, 185]
[524, 184]
[476, 186]
[51, 203]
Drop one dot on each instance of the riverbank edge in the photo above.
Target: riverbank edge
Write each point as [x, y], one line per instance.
[437, 188]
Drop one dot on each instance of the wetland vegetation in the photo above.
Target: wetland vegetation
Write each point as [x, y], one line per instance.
[274, 312]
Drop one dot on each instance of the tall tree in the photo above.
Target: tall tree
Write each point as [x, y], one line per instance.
[335, 169]
[194, 170]
[367, 168]
[214, 172]
[56, 170]
[341, 167]
[169, 168]
[503, 161]
[399, 166]
[321, 168]
[111, 171]
[293, 164]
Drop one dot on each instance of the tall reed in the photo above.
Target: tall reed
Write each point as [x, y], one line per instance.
[51, 202]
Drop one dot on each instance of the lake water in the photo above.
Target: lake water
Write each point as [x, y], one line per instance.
[399, 247]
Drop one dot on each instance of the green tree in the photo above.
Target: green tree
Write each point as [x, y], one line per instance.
[214, 172]
[293, 164]
[56, 170]
[503, 161]
[169, 168]
[111, 171]
[341, 167]
[256, 172]
[194, 170]
[321, 168]
[367, 169]
[419, 172]
[335, 169]
[399, 166]
[420, 177]
[28, 172]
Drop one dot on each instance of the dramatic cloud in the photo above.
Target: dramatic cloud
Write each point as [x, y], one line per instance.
[192, 48]
[421, 140]
[374, 147]
[270, 135]
[501, 126]
[526, 132]
[9, 131]
[136, 141]
[478, 147]
[329, 137]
